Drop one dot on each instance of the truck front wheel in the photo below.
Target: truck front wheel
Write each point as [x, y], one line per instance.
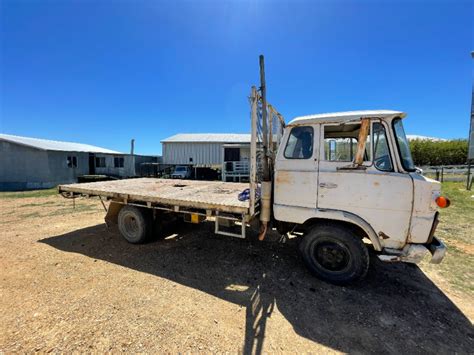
[135, 224]
[335, 254]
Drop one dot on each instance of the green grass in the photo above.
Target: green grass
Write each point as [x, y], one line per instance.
[78, 209]
[456, 229]
[457, 269]
[31, 215]
[39, 204]
[457, 221]
[29, 194]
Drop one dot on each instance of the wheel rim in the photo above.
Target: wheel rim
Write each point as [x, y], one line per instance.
[130, 225]
[331, 256]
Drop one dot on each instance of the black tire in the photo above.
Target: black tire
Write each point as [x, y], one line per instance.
[335, 254]
[135, 224]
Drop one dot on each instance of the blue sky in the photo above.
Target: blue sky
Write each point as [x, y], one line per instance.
[105, 71]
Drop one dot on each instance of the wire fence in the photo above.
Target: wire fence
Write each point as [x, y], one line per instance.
[444, 173]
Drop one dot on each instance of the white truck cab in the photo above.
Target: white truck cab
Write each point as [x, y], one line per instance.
[321, 189]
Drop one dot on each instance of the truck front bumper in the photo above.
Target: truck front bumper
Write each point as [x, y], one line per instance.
[437, 249]
[414, 253]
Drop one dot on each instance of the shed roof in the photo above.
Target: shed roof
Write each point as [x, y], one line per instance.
[208, 138]
[45, 144]
[344, 116]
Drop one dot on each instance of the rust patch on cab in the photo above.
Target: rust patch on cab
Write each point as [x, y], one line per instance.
[284, 177]
[383, 235]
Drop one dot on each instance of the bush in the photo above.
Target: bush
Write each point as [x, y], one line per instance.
[427, 152]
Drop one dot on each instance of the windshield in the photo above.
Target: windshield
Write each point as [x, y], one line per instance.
[180, 168]
[403, 146]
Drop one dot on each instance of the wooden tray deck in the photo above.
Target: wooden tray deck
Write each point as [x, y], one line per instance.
[214, 195]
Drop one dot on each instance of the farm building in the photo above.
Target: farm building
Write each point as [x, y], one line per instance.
[31, 163]
[229, 153]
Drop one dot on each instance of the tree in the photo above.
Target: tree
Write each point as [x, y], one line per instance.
[429, 152]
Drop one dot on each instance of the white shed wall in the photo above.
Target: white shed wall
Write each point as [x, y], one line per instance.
[201, 153]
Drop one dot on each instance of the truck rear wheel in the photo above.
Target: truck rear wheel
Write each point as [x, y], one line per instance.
[135, 224]
[335, 254]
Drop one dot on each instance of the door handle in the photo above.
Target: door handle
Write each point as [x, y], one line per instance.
[327, 185]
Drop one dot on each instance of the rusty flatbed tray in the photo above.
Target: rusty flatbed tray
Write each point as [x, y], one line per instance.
[213, 195]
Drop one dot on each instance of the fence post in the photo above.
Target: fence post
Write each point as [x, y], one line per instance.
[469, 180]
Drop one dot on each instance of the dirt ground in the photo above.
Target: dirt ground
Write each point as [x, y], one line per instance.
[68, 283]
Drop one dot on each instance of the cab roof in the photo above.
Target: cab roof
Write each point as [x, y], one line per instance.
[347, 116]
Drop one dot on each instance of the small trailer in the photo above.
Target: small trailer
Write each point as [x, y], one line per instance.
[344, 182]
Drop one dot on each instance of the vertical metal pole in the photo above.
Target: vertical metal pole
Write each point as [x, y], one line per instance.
[253, 149]
[470, 147]
[266, 192]
[270, 138]
[223, 177]
[468, 184]
[263, 90]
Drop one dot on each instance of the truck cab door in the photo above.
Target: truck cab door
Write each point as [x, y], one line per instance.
[296, 170]
[377, 193]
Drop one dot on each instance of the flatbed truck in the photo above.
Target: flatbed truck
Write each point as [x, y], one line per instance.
[343, 182]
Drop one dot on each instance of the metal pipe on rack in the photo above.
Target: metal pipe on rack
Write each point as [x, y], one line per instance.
[266, 189]
[263, 93]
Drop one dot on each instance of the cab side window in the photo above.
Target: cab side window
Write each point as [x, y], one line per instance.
[340, 143]
[340, 149]
[300, 143]
[382, 160]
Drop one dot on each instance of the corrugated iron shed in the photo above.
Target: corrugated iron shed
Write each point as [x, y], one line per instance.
[208, 138]
[45, 144]
[200, 149]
